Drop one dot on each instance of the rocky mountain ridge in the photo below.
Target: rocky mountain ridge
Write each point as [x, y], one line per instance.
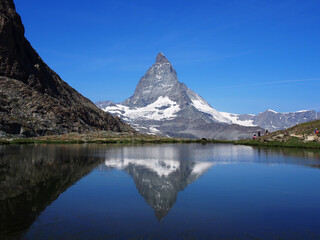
[34, 99]
[162, 105]
[274, 121]
[269, 119]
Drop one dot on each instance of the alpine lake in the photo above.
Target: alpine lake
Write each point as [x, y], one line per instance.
[165, 191]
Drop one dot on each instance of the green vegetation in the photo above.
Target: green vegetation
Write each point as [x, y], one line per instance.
[111, 141]
[105, 138]
[292, 143]
[299, 136]
[305, 128]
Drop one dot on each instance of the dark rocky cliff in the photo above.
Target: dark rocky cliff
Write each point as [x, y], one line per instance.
[34, 100]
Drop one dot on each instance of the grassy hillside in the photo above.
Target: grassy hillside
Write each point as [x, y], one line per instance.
[305, 128]
[301, 135]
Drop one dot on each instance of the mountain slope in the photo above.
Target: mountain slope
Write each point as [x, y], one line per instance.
[160, 87]
[301, 135]
[34, 99]
[162, 105]
[274, 121]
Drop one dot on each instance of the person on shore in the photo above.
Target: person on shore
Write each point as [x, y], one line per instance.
[266, 132]
[259, 133]
[254, 137]
[316, 132]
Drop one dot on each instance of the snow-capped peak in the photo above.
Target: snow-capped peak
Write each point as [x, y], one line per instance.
[270, 110]
[163, 105]
[301, 111]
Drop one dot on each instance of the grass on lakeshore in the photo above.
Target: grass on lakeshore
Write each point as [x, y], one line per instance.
[299, 136]
[292, 143]
[104, 138]
[118, 138]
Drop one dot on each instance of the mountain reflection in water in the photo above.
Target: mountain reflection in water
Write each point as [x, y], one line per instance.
[160, 180]
[161, 172]
[32, 177]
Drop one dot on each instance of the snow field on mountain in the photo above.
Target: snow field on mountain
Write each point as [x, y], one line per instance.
[162, 109]
[223, 117]
[234, 118]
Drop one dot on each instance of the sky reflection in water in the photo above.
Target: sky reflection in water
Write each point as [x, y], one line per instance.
[187, 191]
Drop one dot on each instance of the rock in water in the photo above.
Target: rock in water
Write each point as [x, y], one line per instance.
[34, 100]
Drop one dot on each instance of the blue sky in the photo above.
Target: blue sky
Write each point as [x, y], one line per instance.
[242, 56]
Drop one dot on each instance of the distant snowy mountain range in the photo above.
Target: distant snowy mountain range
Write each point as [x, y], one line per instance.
[274, 121]
[164, 106]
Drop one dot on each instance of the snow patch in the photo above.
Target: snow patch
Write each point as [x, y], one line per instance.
[234, 118]
[270, 110]
[224, 117]
[163, 168]
[162, 109]
[154, 130]
[201, 167]
[204, 107]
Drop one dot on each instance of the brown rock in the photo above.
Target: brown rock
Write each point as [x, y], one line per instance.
[34, 99]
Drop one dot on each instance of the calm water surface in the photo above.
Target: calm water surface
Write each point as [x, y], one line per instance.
[187, 191]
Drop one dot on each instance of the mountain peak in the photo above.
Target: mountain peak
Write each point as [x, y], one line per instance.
[161, 58]
[34, 99]
[6, 4]
[159, 81]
